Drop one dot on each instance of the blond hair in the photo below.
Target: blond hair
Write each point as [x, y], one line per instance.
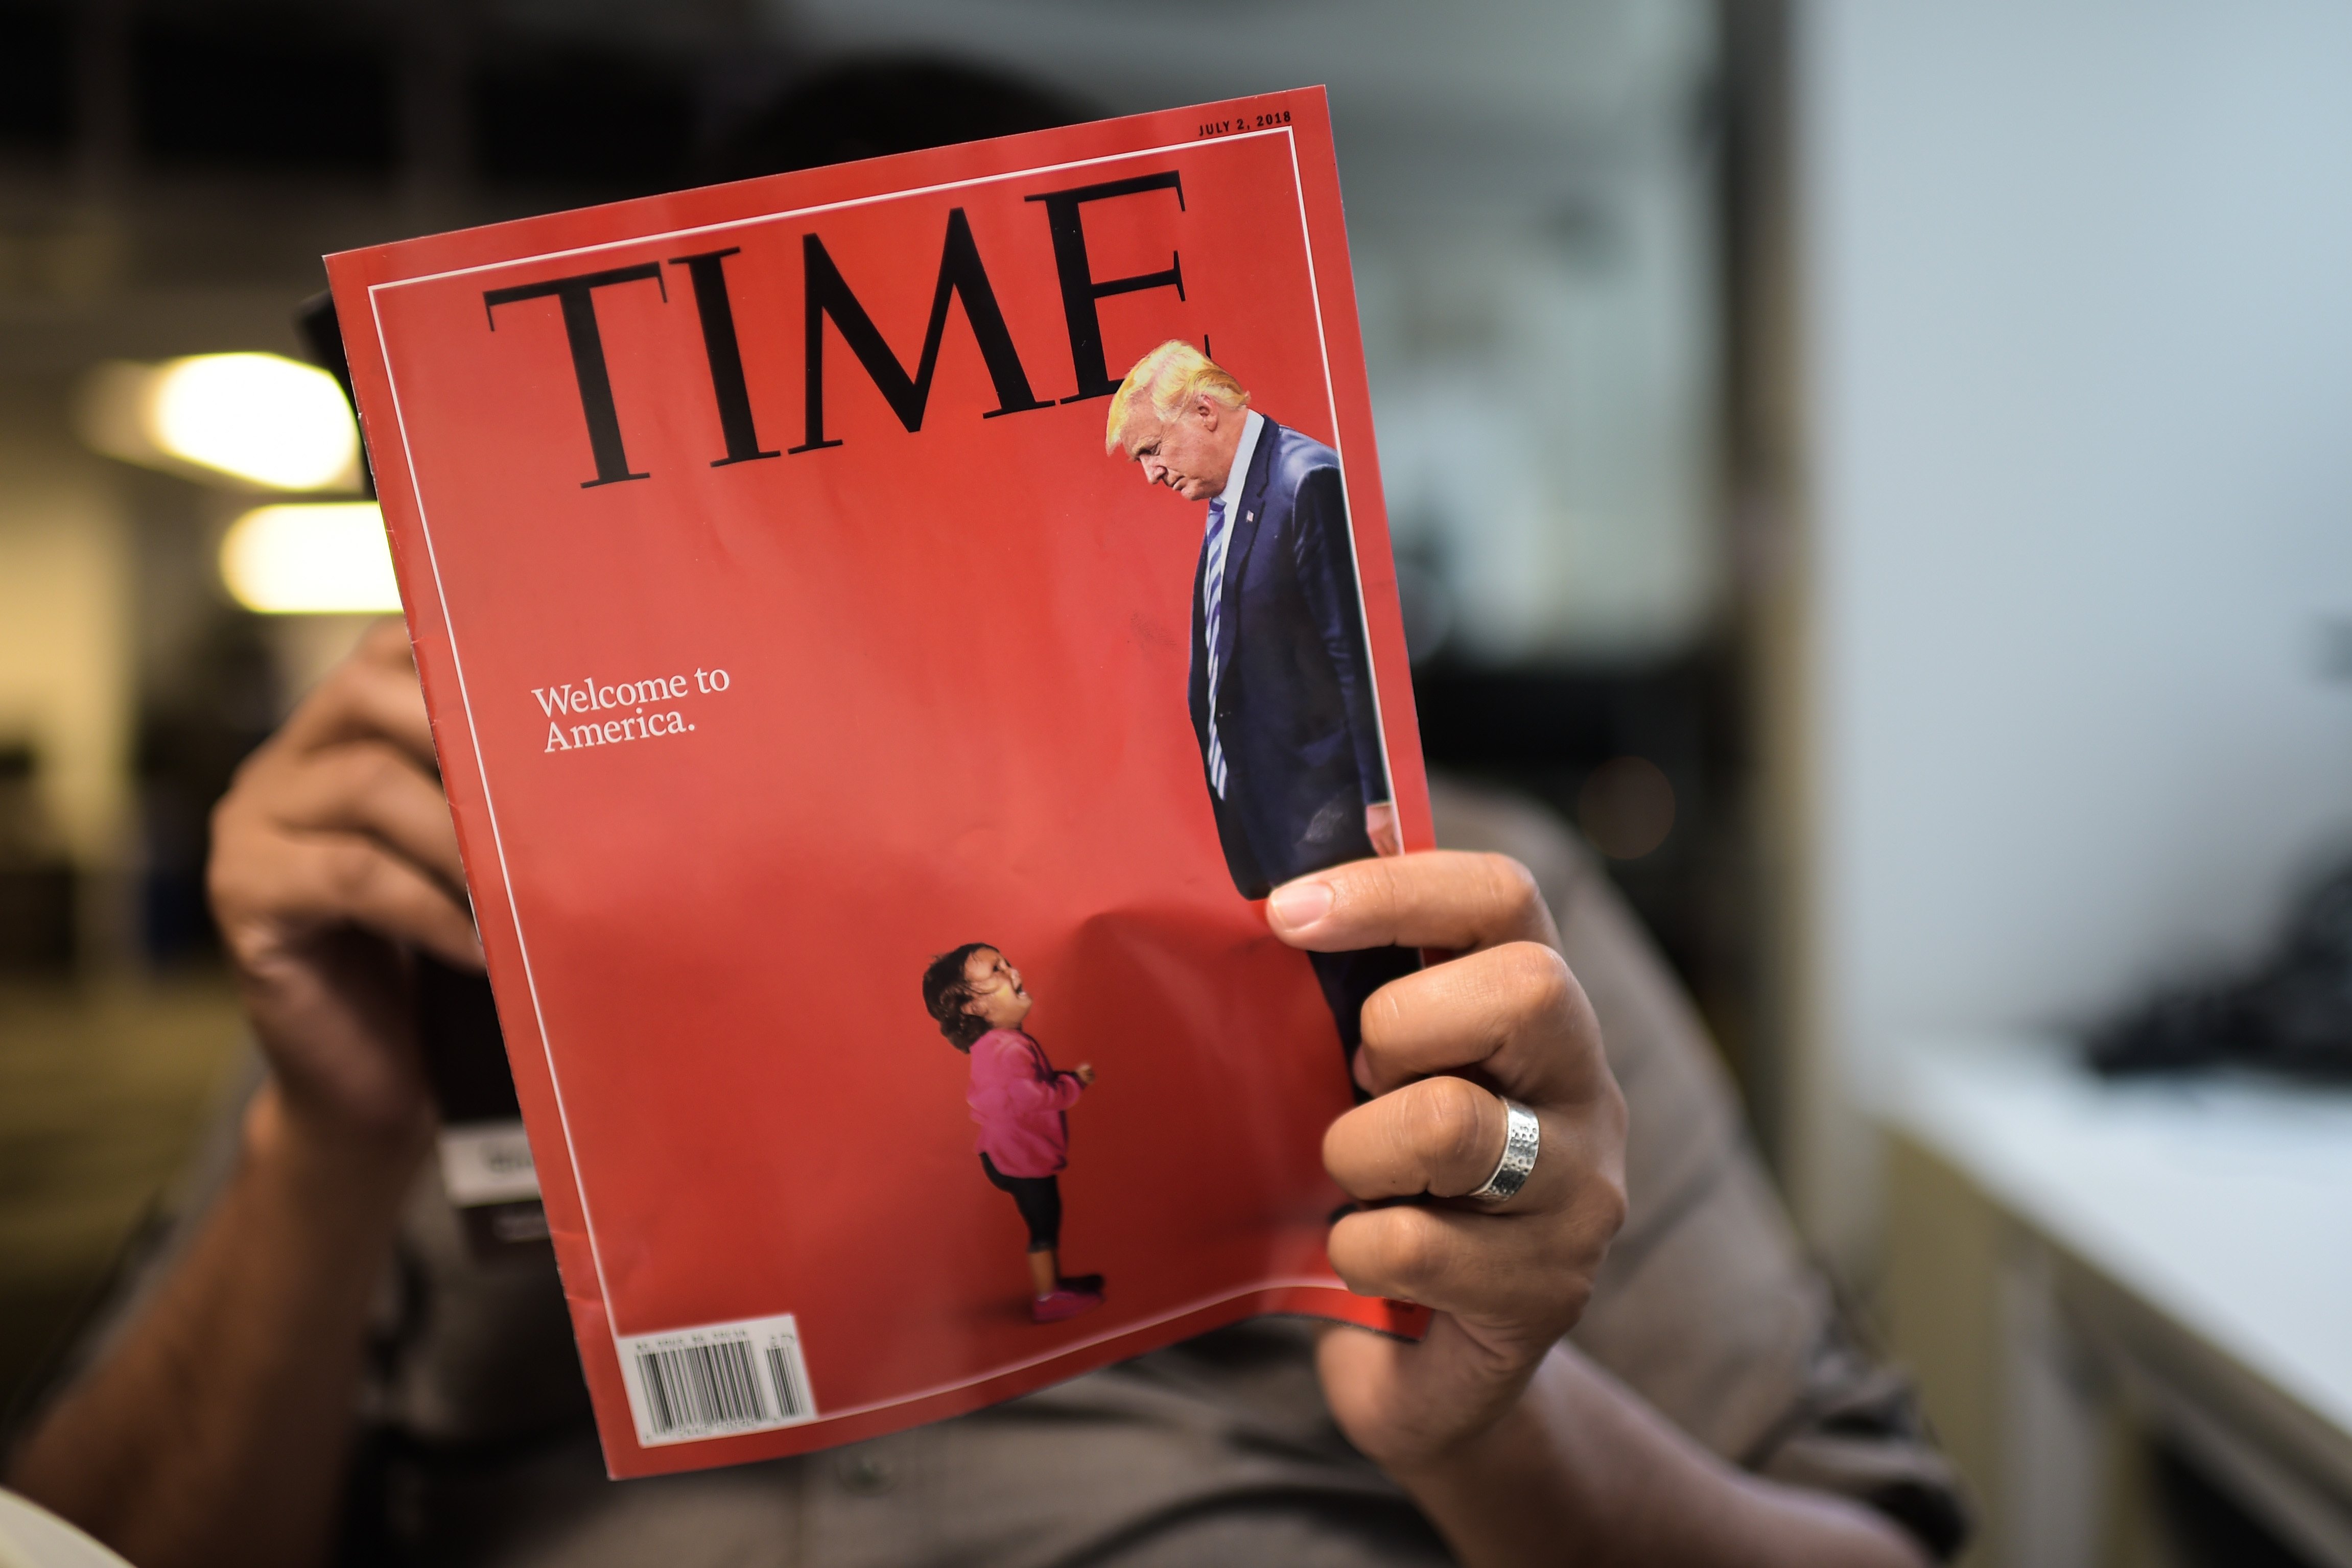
[1170, 377]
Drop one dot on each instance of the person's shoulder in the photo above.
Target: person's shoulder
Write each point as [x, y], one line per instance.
[1297, 459]
[1297, 453]
[1012, 1045]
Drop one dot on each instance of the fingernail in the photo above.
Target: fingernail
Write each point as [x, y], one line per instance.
[1299, 905]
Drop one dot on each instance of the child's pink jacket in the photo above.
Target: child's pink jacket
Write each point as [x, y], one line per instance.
[1018, 1100]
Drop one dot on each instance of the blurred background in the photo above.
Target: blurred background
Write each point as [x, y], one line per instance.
[1879, 468]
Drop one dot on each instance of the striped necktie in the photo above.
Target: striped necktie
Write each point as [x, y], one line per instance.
[1213, 592]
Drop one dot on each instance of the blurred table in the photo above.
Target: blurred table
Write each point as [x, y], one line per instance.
[2182, 1246]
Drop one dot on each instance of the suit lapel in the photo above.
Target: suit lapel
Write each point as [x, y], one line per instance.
[1244, 530]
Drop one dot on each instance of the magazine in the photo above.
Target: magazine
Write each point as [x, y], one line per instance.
[872, 733]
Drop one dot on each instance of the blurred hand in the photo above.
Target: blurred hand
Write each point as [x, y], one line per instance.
[1380, 827]
[332, 849]
[1085, 1073]
[1506, 1281]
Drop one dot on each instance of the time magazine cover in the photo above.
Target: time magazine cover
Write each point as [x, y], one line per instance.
[885, 628]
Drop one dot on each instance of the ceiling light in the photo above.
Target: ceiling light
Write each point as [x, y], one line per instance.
[319, 559]
[263, 419]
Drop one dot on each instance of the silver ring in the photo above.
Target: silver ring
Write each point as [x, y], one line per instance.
[1522, 1141]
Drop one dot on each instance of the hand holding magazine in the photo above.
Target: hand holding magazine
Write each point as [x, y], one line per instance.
[867, 787]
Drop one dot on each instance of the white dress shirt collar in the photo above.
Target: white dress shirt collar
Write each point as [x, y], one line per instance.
[1252, 422]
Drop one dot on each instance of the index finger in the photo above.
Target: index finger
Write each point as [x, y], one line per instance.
[1435, 898]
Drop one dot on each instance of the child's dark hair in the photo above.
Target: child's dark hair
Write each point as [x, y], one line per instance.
[946, 993]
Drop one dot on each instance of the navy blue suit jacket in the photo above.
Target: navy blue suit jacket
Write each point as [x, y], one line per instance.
[1296, 712]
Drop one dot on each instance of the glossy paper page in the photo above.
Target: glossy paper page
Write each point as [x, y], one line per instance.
[786, 625]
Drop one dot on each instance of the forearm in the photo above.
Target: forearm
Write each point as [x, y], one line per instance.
[218, 1431]
[1028, 1096]
[1581, 1471]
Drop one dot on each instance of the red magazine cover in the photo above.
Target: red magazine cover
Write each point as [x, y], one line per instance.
[886, 627]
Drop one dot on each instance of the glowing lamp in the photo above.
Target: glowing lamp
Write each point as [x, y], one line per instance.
[315, 559]
[261, 419]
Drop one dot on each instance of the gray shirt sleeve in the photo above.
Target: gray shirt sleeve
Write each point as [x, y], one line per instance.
[1707, 1306]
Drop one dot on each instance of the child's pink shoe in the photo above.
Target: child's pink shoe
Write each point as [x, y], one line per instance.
[1060, 1305]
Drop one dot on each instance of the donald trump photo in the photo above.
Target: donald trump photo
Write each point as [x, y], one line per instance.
[1281, 681]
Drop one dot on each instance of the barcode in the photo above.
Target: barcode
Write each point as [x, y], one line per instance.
[719, 1379]
[701, 1386]
[790, 1400]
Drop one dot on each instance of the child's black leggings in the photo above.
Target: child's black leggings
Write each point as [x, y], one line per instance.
[1039, 1198]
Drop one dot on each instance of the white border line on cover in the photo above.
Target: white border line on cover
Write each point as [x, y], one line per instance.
[1355, 557]
[481, 769]
[755, 219]
[1333, 1284]
[498, 839]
